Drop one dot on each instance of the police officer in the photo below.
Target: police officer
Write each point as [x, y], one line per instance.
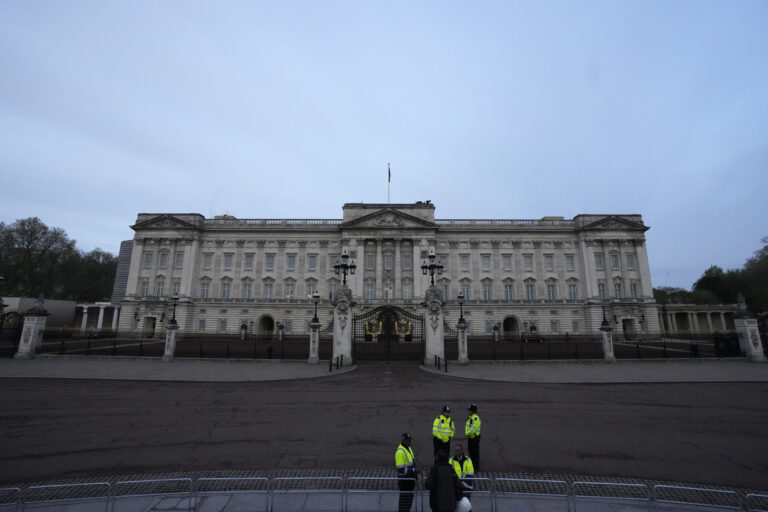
[406, 473]
[472, 431]
[442, 431]
[464, 469]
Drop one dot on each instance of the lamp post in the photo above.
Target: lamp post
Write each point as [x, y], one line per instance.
[461, 310]
[316, 300]
[432, 267]
[175, 300]
[344, 268]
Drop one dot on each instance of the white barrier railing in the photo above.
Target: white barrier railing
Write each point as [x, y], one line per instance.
[364, 494]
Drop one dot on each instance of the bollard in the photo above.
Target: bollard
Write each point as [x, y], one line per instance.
[435, 361]
[342, 360]
[62, 349]
[227, 347]
[201, 348]
[446, 366]
[330, 364]
[337, 362]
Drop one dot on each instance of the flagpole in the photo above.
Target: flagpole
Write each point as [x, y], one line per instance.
[389, 178]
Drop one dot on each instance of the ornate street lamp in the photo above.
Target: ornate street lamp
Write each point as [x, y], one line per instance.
[462, 322]
[316, 300]
[175, 300]
[432, 267]
[344, 268]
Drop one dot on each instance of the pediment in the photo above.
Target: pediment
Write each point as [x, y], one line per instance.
[388, 219]
[164, 221]
[614, 223]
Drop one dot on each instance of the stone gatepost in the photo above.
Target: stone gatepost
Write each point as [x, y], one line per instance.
[32, 332]
[749, 335]
[342, 324]
[314, 343]
[170, 340]
[462, 337]
[433, 337]
[605, 329]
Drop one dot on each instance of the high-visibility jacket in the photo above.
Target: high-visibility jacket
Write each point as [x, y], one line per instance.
[464, 468]
[404, 461]
[472, 428]
[443, 428]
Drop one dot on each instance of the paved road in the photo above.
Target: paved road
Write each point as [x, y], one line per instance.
[712, 433]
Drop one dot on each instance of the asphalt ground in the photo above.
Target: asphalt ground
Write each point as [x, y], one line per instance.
[713, 433]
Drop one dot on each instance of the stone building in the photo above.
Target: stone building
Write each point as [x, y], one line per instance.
[552, 275]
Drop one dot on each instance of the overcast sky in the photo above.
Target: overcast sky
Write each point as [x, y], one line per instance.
[512, 110]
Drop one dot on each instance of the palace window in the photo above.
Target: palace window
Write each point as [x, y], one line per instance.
[614, 261]
[599, 262]
[178, 260]
[489, 326]
[601, 289]
[464, 262]
[487, 291]
[312, 262]
[223, 325]
[288, 326]
[267, 290]
[144, 288]
[549, 262]
[290, 290]
[248, 262]
[370, 290]
[311, 288]
[225, 288]
[575, 326]
[506, 262]
[570, 262]
[290, 262]
[163, 260]
[551, 291]
[554, 326]
[573, 291]
[204, 288]
[201, 325]
[147, 260]
[485, 262]
[269, 262]
[176, 286]
[333, 286]
[528, 262]
[633, 289]
[247, 290]
[407, 290]
[509, 291]
[207, 261]
[617, 291]
[159, 287]
[530, 291]
[370, 261]
[466, 288]
[228, 259]
[630, 261]
[388, 260]
[406, 261]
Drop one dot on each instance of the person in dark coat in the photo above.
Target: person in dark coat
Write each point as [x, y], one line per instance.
[444, 487]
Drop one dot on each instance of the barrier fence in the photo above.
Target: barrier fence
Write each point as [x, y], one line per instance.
[364, 494]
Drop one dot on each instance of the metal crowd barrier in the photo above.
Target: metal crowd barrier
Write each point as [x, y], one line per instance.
[365, 494]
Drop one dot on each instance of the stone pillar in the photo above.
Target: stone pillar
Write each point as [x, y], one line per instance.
[314, 343]
[692, 323]
[115, 315]
[170, 340]
[379, 270]
[100, 321]
[84, 322]
[435, 342]
[605, 330]
[342, 324]
[462, 338]
[32, 332]
[397, 289]
[722, 321]
[749, 336]
[709, 322]
[674, 323]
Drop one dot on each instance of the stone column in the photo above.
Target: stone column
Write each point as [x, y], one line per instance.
[100, 321]
[379, 270]
[709, 322]
[115, 315]
[397, 289]
[84, 322]
[462, 339]
[692, 323]
[32, 332]
[674, 323]
[605, 330]
[170, 341]
[722, 321]
[749, 336]
[342, 324]
[435, 342]
[314, 343]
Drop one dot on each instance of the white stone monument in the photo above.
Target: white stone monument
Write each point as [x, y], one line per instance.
[605, 330]
[433, 335]
[170, 340]
[342, 324]
[32, 332]
[749, 335]
[314, 343]
[461, 328]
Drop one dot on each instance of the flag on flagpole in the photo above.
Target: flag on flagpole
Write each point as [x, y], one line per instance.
[389, 174]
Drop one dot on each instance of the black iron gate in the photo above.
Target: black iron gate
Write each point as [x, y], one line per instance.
[388, 333]
[10, 333]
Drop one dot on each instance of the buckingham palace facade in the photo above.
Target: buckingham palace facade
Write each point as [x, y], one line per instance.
[552, 275]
